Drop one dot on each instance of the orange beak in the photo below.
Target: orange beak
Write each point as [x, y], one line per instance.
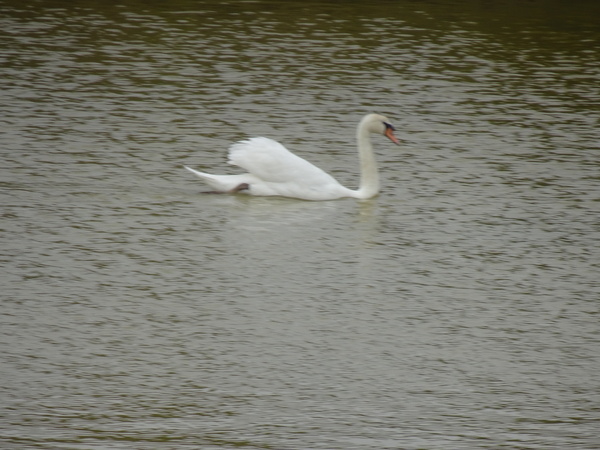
[389, 133]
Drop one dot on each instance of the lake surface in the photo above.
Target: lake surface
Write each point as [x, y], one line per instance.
[457, 310]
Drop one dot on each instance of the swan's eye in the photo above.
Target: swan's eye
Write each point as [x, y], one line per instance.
[389, 126]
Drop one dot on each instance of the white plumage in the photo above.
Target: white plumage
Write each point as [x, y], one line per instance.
[274, 170]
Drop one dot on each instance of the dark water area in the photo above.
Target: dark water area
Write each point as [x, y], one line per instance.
[459, 309]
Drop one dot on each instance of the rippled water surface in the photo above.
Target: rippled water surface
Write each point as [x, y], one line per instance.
[457, 310]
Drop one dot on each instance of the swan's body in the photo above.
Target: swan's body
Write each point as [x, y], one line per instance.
[274, 170]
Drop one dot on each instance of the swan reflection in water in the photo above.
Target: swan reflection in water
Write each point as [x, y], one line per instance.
[274, 170]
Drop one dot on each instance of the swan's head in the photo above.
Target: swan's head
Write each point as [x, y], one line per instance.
[378, 124]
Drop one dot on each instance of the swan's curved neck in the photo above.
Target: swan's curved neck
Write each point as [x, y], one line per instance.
[369, 176]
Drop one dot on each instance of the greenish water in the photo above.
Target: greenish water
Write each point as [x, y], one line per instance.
[459, 309]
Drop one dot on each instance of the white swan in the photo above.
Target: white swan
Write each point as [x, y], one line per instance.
[274, 170]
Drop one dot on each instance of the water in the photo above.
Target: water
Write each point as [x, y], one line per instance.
[459, 309]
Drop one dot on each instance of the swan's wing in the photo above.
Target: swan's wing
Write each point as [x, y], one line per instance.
[272, 162]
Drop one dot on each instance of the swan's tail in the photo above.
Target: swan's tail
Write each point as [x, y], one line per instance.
[200, 174]
[211, 180]
[222, 183]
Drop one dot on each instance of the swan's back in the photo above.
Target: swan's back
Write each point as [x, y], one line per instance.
[272, 162]
[277, 171]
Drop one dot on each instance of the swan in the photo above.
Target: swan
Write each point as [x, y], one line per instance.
[274, 170]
